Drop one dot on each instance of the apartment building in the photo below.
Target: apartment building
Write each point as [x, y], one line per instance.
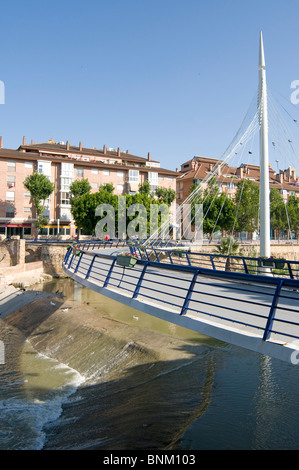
[197, 169]
[63, 163]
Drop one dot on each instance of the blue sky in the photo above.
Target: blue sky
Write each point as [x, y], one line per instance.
[174, 78]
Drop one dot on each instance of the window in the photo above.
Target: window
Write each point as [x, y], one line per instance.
[11, 166]
[94, 185]
[65, 183]
[95, 171]
[44, 168]
[120, 176]
[27, 194]
[10, 195]
[170, 178]
[29, 165]
[79, 172]
[67, 170]
[230, 185]
[106, 172]
[65, 197]
[161, 178]
[153, 178]
[27, 210]
[120, 187]
[9, 211]
[11, 181]
[133, 176]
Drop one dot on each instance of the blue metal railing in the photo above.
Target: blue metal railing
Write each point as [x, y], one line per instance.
[266, 305]
[215, 261]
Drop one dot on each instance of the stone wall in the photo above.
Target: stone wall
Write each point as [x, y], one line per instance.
[12, 252]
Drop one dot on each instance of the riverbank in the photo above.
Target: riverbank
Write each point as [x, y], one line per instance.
[138, 387]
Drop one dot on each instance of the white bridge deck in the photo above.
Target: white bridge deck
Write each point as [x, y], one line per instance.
[254, 312]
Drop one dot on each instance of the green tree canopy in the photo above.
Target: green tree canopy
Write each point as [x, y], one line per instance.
[247, 206]
[278, 215]
[40, 188]
[165, 195]
[80, 187]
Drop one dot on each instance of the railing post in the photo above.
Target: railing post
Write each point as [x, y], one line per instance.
[245, 266]
[272, 310]
[136, 292]
[109, 273]
[77, 266]
[189, 293]
[188, 259]
[212, 262]
[290, 270]
[90, 267]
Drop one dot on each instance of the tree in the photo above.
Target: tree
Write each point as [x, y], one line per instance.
[227, 247]
[84, 208]
[293, 213]
[247, 206]
[40, 188]
[165, 195]
[278, 214]
[144, 188]
[79, 187]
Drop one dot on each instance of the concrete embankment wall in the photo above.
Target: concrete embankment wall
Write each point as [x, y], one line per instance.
[26, 264]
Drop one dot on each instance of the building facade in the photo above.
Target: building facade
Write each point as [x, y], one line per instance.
[197, 169]
[62, 164]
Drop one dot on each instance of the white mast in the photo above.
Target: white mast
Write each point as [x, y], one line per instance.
[264, 158]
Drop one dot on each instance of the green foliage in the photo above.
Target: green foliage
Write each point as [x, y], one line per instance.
[293, 212]
[84, 207]
[40, 188]
[247, 202]
[80, 187]
[165, 195]
[278, 213]
[144, 188]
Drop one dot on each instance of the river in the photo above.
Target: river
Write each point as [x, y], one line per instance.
[136, 382]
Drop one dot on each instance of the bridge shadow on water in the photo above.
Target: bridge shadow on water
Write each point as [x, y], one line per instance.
[148, 408]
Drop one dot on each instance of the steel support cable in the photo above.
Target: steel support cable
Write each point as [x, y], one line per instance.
[223, 161]
[249, 132]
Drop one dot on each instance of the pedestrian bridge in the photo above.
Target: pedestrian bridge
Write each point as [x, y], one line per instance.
[250, 306]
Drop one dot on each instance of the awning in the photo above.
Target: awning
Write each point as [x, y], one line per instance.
[15, 225]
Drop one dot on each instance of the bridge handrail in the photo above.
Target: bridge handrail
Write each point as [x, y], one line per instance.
[247, 264]
[275, 286]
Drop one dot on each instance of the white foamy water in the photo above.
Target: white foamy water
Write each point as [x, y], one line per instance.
[32, 397]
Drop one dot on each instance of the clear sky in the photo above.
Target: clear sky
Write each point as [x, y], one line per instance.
[170, 77]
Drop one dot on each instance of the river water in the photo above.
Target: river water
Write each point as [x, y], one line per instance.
[109, 391]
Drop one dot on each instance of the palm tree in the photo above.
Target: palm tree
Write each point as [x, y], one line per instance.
[227, 247]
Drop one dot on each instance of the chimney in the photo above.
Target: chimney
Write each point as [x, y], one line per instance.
[24, 140]
[118, 152]
[67, 145]
[0, 142]
[32, 142]
[177, 170]
[127, 152]
[149, 157]
[105, 149]
[240, 172]
[80, 146]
